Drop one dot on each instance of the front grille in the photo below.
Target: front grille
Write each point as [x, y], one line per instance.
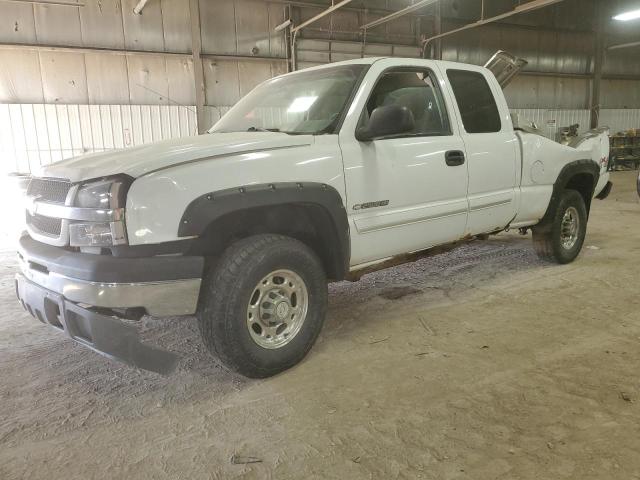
[52, 191]
[46, 225]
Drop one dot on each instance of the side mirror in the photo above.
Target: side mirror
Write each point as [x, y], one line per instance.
[385, 122]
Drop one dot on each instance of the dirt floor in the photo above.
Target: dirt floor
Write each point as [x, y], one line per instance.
[482, 363]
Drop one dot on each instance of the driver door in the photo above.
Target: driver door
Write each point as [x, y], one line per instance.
[407, 192]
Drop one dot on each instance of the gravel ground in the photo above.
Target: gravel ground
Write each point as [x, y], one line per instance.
[481, 363]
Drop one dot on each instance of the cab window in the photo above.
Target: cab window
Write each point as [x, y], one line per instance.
[415, 90]
[476, 102]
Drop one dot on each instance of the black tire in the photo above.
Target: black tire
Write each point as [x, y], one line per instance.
[547, 239]
[230, 285]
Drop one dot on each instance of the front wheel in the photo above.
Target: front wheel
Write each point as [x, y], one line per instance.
[561, 239]
[263, 305]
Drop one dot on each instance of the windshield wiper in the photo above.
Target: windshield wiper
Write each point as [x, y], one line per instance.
[258, 129]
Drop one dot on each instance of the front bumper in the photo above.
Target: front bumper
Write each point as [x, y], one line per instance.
[106, 335]
[70, 291]
[162, 285]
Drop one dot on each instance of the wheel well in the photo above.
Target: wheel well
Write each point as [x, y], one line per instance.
[583, 183]
[309, 223]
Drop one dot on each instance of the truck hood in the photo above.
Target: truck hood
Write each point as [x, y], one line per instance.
[138, 161]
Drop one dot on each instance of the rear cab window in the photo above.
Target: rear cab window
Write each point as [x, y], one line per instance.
[475, 100]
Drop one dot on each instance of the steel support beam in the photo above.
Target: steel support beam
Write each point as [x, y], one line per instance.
[326, 12]
[198, 69]
[70, 49]
[399, 13]
[297, 3]
[598, 63]
[115, 51]
[623, 45]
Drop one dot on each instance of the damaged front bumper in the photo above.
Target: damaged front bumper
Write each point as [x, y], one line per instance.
[106, 335]
[76, 293]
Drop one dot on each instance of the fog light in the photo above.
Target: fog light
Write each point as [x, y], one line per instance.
[104, 234]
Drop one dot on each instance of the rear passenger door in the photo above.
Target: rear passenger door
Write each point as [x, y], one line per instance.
[491, 147]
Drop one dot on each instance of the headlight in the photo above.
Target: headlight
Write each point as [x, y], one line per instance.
[105, 234]
[104, 196]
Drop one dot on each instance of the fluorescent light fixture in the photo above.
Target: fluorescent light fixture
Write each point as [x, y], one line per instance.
[301, 104]
[283, 25]
[625, 17]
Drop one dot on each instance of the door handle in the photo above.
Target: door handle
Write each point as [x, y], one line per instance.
[454, 158]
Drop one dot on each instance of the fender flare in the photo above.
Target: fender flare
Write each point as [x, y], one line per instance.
[569, 171]
[206, 209]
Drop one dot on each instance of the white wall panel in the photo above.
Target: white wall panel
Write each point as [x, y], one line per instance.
[252, 27]
[20, 79]
[406, 51]
[251, 74]
[37, 134]
[176, 23]
[219, 34]
[316, 52]
[17, 24]
[148, 83]
[64, 78]
[221, 81]
[620, 94]
[19, 129]
[213, 114]
[277, 45]
[57, 25]
[528, 91]
[180, 77]
[143, 32]
[41, 132]
[107, 79]
[101, 23]
[619, 120]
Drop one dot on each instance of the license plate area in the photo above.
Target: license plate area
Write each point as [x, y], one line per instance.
[42, 304]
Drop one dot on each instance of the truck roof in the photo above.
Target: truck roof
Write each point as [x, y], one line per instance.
[399, 61]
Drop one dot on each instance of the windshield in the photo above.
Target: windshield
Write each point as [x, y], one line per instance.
[303, 103]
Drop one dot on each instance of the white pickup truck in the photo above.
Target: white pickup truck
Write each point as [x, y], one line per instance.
[314, 176]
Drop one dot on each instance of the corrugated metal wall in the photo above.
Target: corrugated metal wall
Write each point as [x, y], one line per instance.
[620, 120]
[232, 30]
[317, 52]
[35, 134]
[246, 28]
[31, 76]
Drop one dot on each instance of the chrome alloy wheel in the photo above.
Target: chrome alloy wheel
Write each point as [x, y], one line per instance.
[570, 228]
[277, 309]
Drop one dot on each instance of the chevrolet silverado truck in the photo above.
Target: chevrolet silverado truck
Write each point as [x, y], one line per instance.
[313, 177]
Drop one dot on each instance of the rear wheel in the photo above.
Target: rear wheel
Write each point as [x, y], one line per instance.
[561, 240]
[263, 305]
